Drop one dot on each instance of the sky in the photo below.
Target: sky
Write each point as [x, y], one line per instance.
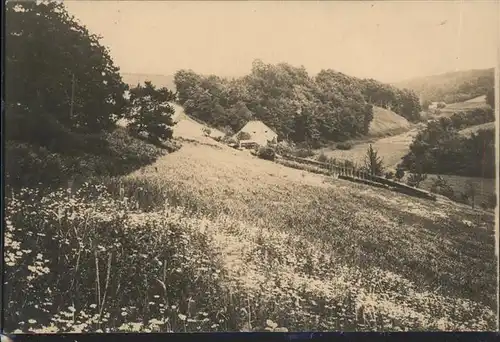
[389, 41]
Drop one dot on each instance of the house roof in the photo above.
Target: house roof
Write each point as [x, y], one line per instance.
[258, 127]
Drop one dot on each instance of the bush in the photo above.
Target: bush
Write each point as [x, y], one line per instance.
[322, 158]
[304, 153]
[344, 146]
[400, 173]
[243, 136]
[442, 187]
[30, 165]
[389, 175]
[266, 153]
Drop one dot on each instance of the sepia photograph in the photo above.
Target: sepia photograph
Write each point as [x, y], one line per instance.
[250, 166]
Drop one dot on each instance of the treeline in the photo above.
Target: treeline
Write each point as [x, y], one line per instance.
[454, 86]
[440, 149]
[328, 107]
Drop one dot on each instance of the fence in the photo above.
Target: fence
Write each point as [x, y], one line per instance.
[355, 175]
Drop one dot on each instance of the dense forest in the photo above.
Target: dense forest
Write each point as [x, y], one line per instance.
[453, 86]
[440, 149]
[328, 107]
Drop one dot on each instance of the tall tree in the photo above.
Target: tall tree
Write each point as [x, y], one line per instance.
[56, 71]
[373, 162]
[150, 111]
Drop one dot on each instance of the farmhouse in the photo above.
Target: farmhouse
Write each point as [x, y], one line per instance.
[259, 133]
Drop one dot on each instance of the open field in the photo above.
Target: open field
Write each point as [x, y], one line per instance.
[474, 129]
[301, 250]
[453, 108]
[392, 149]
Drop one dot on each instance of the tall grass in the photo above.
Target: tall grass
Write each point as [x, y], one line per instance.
[129, 254]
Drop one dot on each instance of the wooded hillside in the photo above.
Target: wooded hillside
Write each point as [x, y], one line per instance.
[453, 86]
[330, 106]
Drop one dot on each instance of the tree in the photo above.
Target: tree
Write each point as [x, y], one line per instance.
[471, 192]
[490, 97]
[150, 111]
[373, 163]
[417, 175]
[243, 136]
[58, 73]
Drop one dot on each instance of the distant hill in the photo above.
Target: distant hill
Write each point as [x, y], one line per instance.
[452, 87]
[132, 79]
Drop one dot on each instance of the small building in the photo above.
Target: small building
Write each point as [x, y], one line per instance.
[259, 134]
[437, 105]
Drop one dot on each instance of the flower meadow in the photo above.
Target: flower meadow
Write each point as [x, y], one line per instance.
[150, 253]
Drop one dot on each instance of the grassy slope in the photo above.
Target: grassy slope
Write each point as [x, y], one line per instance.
[391, 149]
[485, 186]
[452, 108]
[403, 256]
[387, 122]
[474, 129]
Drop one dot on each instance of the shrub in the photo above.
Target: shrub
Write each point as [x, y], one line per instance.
[304, 153]
[344, 146]
[400, 173]
[267, 153]
[322, 158]
[414, 179]
[243, 136]
[389, 175]
[442, 187]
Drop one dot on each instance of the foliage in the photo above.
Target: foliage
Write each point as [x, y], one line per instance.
[490, 97]
[452, 87]
[471, 192]
[150, 112]
[303, 152]
[400, 173]
[322, 158]
[415, 178]
[32, 165]
[373, 162]
[389, 175]
[344, 146]
[441, 186]
[243, 136]
[49, 58]
[402, 101]
[477, 116]
[439, 149]
[266, 152]
[328, 107]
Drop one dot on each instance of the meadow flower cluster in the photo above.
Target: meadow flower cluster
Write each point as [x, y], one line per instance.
[143, 254]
